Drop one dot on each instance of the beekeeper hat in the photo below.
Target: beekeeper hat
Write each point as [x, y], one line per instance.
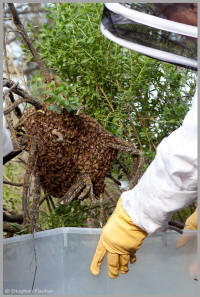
[148, 29]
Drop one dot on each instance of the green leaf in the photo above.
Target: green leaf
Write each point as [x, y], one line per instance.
[51, 99]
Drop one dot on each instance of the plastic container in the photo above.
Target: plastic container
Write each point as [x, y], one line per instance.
[64, 256]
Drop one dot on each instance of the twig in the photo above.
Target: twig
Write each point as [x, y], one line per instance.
[10, 156]
[12, 227]
[52, 202]
[110, 104]
[22, 93]
[114, 179]
[134, 129]
[18, 112]
[27, 178]
[10, 89]
[6, 182]
[138, 162]
[14, 105]
[44, 199]
[112, 108]
[48, 204]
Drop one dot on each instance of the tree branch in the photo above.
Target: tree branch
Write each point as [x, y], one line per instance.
[12, 228]
[18, 112]
[6, 182]
[113, 179]
[22, 93]
[12, 217]
[10, 156]
[26, 39]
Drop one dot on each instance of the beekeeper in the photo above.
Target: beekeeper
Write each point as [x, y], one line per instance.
[170, 182]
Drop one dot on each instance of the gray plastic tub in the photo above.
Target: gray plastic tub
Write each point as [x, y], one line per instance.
[64, 256]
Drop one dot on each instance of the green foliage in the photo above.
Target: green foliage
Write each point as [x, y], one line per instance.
[12, 195]
[64, 216]
[73, 215]
[111, 80]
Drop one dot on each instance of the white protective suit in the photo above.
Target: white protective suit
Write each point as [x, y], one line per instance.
[170, 182]
[7, 143]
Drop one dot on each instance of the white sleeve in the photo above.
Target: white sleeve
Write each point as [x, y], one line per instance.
[170, 182]
[7, 142]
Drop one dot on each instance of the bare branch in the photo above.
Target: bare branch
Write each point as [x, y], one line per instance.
[30, 166]
[26, 39]
[52, 202]
[24, 94]
[18, 112]
[6, 182]
[12, 228]
[10, 156]
[10, 89]
[113, 179]
[137, 165]
[12, 217]
[15, 104]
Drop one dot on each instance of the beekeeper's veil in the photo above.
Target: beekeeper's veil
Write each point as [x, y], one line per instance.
[155, 30]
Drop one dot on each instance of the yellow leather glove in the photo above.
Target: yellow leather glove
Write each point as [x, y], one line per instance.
[190, 224]
[120, 239]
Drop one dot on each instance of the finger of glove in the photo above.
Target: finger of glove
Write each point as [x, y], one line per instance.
[123, 263]
[113, 265]
[97, 259]
[132, 259]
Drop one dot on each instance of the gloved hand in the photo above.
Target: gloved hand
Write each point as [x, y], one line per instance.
[190, 224]
[120, 239]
